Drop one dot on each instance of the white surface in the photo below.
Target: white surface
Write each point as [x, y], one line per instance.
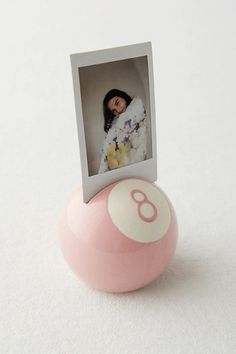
[44, 307]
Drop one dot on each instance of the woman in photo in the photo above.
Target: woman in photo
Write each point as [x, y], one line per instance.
[125, 127]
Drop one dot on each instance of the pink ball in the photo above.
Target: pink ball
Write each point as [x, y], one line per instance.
[123, 238]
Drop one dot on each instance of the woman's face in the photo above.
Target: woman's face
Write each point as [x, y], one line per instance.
[117, 105]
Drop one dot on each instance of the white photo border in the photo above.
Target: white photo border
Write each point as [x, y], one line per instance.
[145, 169]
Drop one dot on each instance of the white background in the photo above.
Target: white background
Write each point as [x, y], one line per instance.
[44, 307]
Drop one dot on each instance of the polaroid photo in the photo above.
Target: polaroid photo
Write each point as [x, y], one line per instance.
[115, 111]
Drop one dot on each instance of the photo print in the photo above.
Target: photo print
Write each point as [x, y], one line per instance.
[114, 99]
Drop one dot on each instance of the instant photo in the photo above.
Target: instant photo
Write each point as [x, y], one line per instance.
[114, 98]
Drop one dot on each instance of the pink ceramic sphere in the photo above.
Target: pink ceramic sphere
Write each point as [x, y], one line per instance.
[123, 238]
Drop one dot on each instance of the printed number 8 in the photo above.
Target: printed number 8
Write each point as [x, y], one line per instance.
[140, 198]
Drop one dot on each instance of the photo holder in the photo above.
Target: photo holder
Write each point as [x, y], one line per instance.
[119, 231]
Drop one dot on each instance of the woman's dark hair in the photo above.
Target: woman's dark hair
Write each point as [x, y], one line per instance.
[108, 115]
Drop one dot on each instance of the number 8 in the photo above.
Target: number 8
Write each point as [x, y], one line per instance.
[135, 195]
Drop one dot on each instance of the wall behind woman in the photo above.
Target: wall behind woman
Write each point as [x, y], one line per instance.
[129, 75]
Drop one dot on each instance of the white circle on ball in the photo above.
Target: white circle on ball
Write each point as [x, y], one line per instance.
[125, 208]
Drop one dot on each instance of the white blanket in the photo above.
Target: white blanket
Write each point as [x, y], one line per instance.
[125, 142]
